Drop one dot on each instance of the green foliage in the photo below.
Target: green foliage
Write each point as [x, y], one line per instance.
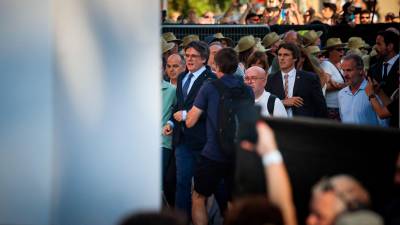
[200, 6]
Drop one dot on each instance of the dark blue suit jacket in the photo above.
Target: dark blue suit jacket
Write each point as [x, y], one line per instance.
[308, 87]
[389, 83]
[194, 137]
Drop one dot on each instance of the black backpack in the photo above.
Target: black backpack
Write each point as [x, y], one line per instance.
[231, 101]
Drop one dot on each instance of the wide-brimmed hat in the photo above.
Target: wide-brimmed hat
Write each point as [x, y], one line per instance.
[334, 42]
[259, 46]
[170, 37]
[270, 38]
[220, 36]
[356, 42]
[165, 46]
[312, 49]
[189, 38]
[311, 36]
[245, 43]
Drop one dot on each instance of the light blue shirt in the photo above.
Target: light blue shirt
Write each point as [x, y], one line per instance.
[356, 108]
[195, 76]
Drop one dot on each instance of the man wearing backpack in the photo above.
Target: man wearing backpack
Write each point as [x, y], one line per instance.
[256, 78]
[215, 164]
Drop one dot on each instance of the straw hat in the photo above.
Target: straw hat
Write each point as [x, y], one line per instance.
[356, 42]
[220, 36]
[334, 42]
[259, 46]
[312, 50]
[170, 37]
[245, 43]
[311, 36]
[189, 38]
[166, 46]
[270, 39]
[354, 51]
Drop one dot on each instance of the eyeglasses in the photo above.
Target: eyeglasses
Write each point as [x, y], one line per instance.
[365, 17]
[251, 79]
[192, 56]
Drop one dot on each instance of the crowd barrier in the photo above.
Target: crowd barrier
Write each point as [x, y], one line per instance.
[368, 31]
[313, 149]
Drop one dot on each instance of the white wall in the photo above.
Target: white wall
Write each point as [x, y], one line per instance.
[79, 110]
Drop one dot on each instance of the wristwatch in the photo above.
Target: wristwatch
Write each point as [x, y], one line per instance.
[371, 96]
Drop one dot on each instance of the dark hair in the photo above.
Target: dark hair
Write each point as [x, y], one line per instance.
[201, 47]
[253, 210]
[390, 37]
[243, 56]
[357, 59]
[227, 60]
[291, 47]
[258, 56]
[365, 11]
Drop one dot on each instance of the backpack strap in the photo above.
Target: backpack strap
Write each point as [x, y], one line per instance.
[219, 86]
[271, 104]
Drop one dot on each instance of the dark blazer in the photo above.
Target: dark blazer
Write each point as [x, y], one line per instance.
[308, 87]
[391, 82]
[194, 137]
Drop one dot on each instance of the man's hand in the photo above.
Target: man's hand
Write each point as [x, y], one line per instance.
[178, 116]
[337, 85]
[167, 130]
[369, 89]
[293, 101]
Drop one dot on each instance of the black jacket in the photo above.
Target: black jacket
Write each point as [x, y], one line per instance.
[391, 82]
[194, 137]
[308, 87]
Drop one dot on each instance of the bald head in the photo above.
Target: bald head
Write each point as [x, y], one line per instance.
[256, 70]
[175, 66]
[291, 37]
[256, 78]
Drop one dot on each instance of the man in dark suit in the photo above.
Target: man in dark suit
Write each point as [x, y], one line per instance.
[386, 70]
[188, 142]
[300, 91]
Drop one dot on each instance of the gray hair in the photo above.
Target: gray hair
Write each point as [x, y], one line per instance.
[357, 59]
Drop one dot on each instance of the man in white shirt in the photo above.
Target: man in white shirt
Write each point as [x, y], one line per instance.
[300, 91]
[256, 78]
[385, 71]
[335, 52]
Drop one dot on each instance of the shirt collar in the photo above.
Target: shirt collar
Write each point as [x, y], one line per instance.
[361, 88]
[164, 84]
[291, 73]
[393, 59]
[198, 72]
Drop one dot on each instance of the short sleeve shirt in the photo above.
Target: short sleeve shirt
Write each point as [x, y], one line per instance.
[208, 101]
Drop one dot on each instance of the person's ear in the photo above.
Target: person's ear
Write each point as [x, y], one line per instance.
[390, 47]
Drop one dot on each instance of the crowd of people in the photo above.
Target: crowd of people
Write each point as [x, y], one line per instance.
[273, 12]
[289, 75]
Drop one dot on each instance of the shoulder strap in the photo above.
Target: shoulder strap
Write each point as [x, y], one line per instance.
[271, 104]
[339, 72]
[219, 86]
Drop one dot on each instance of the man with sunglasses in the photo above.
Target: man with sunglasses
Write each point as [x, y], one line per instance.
[334, 51]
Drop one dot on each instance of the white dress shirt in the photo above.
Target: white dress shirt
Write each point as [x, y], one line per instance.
[291, 80]
[391, 63]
